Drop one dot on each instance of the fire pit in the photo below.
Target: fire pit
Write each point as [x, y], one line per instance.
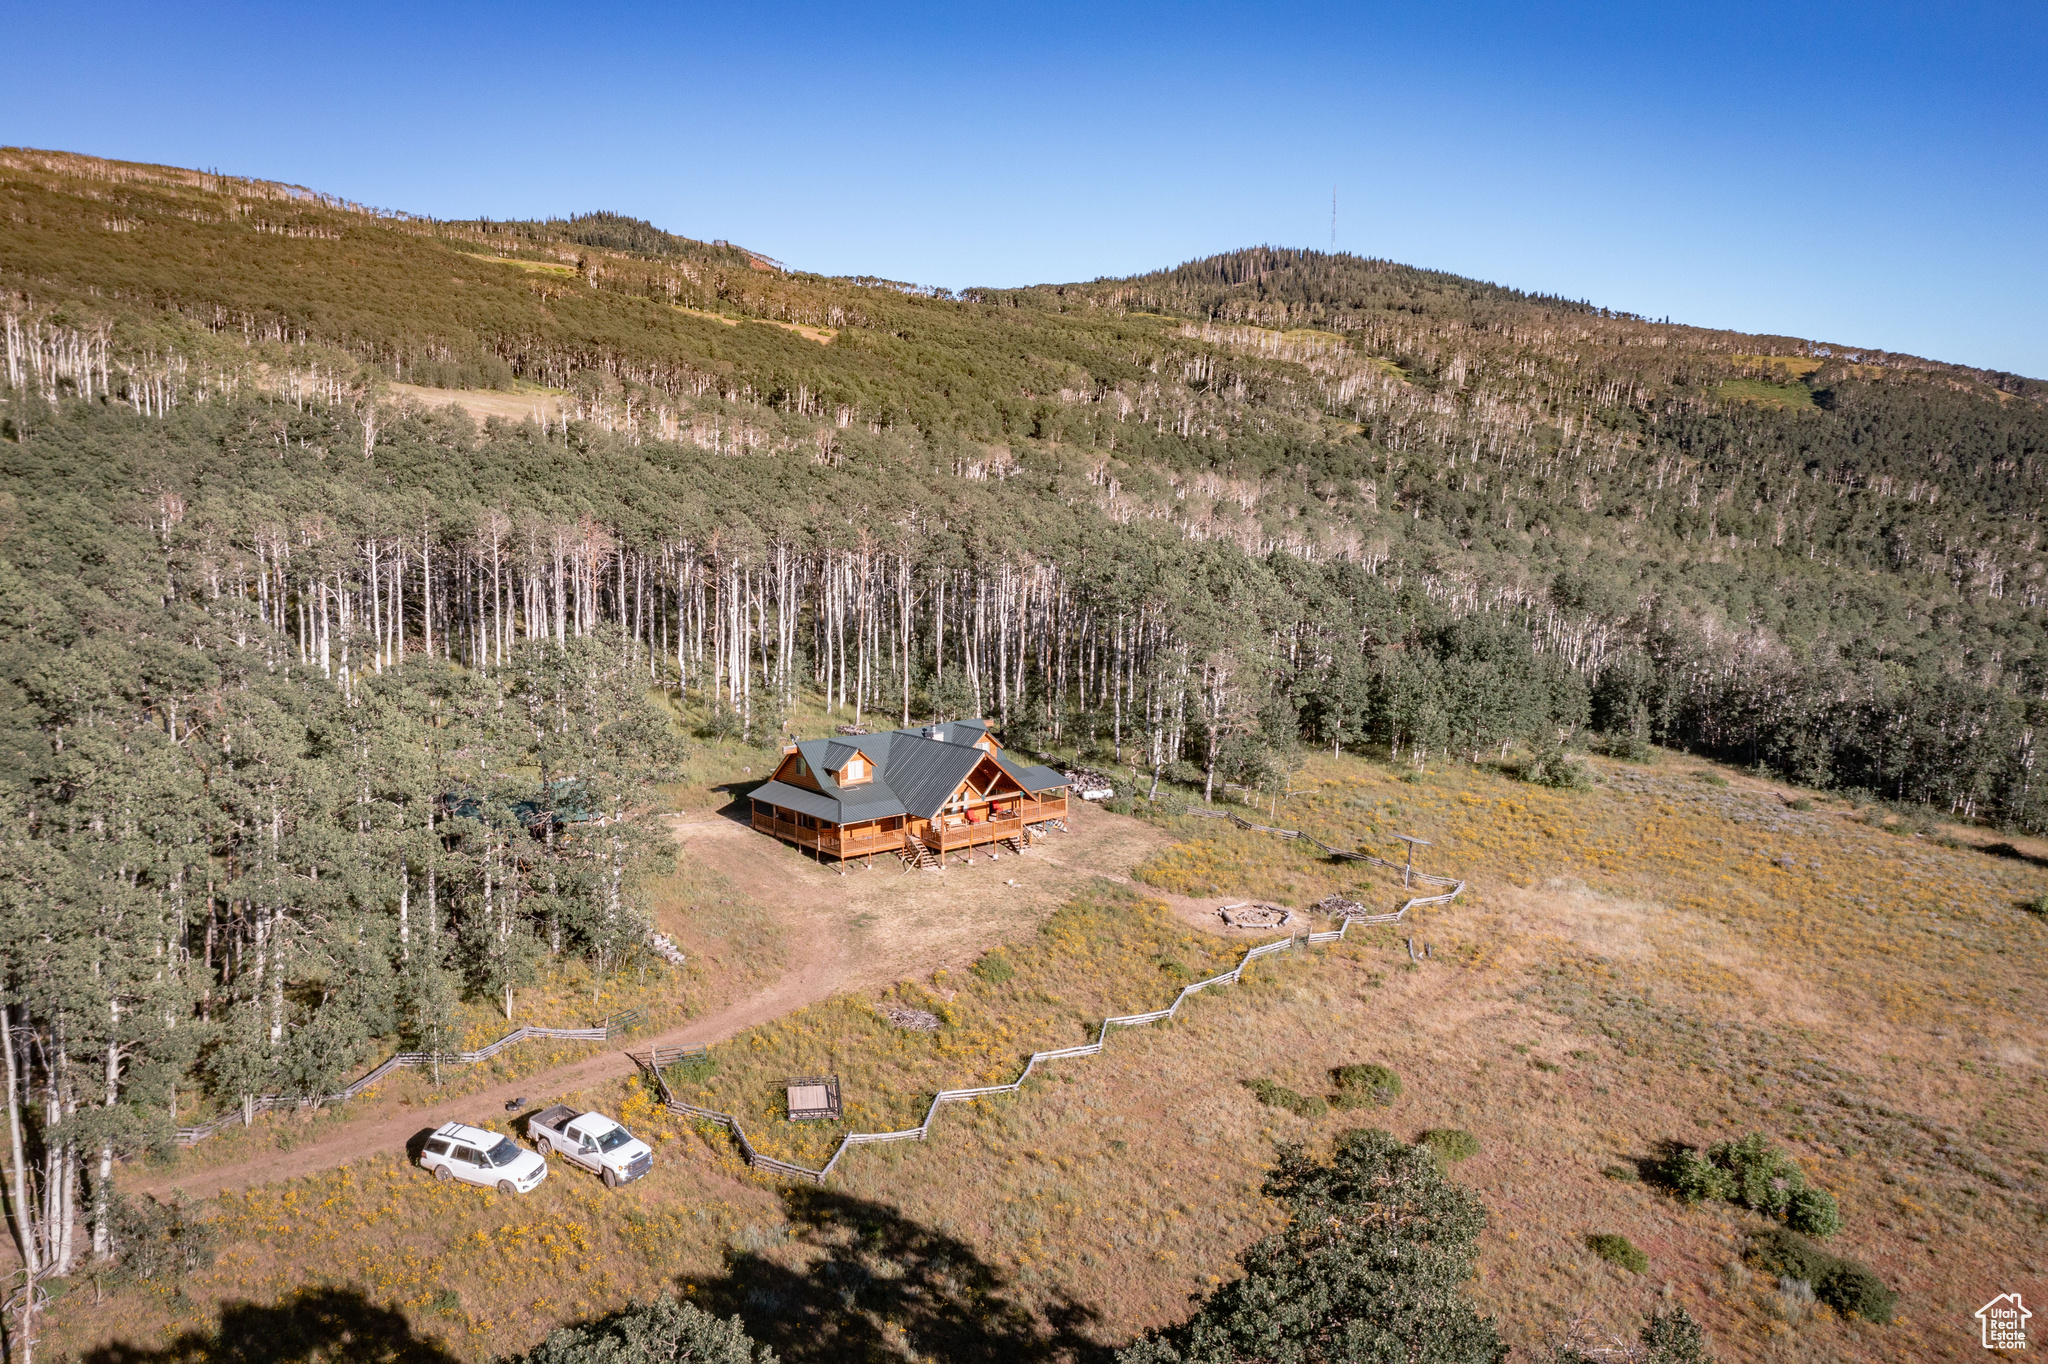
[1252, 915]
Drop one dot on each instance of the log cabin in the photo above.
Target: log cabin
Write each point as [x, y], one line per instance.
[922, 793]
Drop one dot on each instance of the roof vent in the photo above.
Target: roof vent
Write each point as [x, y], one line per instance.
[936, 733]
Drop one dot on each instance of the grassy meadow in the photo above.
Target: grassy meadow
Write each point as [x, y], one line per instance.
[1680, 954]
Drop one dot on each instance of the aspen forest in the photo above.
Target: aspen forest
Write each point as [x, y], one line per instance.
[326, 704]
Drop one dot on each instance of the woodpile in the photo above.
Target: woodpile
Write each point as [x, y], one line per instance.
[1091, 785]
[1337, 907]
[912, 1020]
[1255, 915]
[665, 948]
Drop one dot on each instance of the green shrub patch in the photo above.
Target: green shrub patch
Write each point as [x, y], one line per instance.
[1449, 1144]
[1280, 1096]
[1849, 1286]
[1364, 1086]
[1618, 1250]
[1754, 1174]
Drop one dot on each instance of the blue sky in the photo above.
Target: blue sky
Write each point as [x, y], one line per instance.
[1869, 175]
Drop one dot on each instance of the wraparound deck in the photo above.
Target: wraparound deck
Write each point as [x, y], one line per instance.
[949, 833]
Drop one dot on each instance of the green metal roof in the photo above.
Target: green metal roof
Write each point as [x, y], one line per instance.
[916, 771]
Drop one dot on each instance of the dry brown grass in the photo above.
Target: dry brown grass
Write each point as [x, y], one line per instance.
[1659, 959]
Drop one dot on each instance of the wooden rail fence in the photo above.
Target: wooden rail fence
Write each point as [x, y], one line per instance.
[614, 1026]
[653, 1063]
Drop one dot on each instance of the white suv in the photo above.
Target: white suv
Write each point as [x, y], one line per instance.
[474, 1156]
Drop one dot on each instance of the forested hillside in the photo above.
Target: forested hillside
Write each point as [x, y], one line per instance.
[303, 681]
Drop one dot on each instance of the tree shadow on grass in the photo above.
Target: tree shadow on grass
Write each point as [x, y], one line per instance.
[330, 1325]
[859, 1281]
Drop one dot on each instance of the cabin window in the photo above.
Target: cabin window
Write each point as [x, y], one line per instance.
[801, 769]
[855, 768]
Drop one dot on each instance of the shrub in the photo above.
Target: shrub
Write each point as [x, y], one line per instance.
[1629, 748]
[1669, 1338]
[1785, 1253]
[1711, 778]
[1754, 1173]
[993, 967]
[1449, 1144]
[158, 1241]
[1556, 771]
[1849, 1286]
[1800, 804]
[664, 1329]
[1852, 1289]
[1625, 1174]
[1364, 1086]
[1695, 1179]
[1368, 1264]
[1794, 1297]
[1279, 1096]
[1618, 1250]
[1813, 1212]
[1674, 1338]
[1763, 1177]
[2038, 905]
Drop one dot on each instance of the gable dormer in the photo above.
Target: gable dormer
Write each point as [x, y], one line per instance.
[795, 770]
[856, 769]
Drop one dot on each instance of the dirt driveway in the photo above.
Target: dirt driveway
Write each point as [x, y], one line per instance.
[848, 930]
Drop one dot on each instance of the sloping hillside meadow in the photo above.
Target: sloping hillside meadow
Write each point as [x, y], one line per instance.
[1679, 954]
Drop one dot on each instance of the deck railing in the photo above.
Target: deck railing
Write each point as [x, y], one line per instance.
[834, 841]
[845, 844]
[950, 836]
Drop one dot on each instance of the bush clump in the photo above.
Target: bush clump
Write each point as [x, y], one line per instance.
[1280, 1096]
[1853, 1289]
[666, 1328]
[1370, 1263]
[1630, 748]
[1618, 1250]
[157, 1241]
[1556, 771]
[1364, 1086]
[1755, 1174]
[1849, 1286]
[1449, 1144]
[993, 967]
[1813, 1212]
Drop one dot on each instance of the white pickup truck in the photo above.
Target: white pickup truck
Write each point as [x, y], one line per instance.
[593, 1141]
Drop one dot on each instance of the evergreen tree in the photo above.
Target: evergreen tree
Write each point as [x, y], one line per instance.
[1371, 1266]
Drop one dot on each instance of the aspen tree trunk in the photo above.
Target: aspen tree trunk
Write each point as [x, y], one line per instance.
[426, 588]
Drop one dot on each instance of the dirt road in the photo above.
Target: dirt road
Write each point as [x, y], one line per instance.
[847, 929]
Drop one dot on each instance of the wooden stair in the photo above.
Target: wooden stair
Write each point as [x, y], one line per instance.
[916, 854]
[1015, 843]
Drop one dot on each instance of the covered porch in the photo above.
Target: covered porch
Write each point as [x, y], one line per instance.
[864, 839]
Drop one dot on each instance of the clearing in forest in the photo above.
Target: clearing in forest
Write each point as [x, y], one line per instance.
[1669, 957]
